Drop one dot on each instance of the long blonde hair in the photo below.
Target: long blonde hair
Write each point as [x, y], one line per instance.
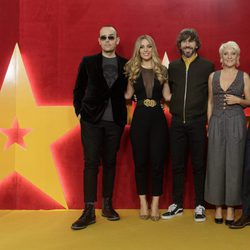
[133, 66]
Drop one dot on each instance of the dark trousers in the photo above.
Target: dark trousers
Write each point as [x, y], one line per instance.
[246, 178]
[190, 136]
[100, 142]
[149, 132]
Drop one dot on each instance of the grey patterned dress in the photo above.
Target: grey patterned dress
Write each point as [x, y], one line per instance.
[226, 144]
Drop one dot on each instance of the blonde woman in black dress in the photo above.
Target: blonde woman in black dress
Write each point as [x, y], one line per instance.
[149, 129]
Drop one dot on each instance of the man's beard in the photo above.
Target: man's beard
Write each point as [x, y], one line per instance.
[190, 53]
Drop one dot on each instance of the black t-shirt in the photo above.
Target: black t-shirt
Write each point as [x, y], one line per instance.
[110, 73]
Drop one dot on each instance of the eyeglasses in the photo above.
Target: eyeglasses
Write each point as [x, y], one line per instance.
[103, 38]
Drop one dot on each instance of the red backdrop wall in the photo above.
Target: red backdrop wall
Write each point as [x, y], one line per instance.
[53, 35]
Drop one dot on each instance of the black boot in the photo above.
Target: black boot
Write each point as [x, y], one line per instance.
[87, 218]
[108, 211]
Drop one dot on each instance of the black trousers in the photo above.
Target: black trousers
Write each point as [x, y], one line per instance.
[149, 132]
[185, 137]
[100, 142]
[246, 178]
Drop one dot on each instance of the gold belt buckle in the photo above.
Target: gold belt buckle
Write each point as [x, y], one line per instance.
[149, 103]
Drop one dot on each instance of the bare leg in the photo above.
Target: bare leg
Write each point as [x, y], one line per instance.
[230, 213]
[218, 212]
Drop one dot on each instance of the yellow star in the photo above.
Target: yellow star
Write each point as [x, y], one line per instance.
[45, 125]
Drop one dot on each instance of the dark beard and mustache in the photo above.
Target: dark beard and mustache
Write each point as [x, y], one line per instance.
[190, 53]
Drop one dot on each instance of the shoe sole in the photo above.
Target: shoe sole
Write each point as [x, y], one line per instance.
[79, 228]
[239, 227]
[111, 219]
[199, 220]
[171, 216]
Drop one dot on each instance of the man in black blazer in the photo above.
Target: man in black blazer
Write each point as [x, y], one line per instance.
[244, 220]
[101, 108]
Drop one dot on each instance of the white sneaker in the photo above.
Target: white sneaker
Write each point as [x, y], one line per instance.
[173, 210]
[199, 214]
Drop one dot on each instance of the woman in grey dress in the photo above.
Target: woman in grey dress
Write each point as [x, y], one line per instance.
[229, 92]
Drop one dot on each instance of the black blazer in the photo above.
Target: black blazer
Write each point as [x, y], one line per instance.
[91, 92]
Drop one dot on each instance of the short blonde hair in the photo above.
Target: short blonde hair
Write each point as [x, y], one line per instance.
[230, 44]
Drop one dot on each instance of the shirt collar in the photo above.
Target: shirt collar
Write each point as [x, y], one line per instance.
[189, 60]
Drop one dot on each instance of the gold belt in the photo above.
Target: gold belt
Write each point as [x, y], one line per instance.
[149, 103]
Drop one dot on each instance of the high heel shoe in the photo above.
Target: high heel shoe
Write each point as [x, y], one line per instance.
[144, 216]
[218, 220]
[155, 217]
[229, 222]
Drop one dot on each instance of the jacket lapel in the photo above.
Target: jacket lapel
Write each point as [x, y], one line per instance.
[120, 70]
